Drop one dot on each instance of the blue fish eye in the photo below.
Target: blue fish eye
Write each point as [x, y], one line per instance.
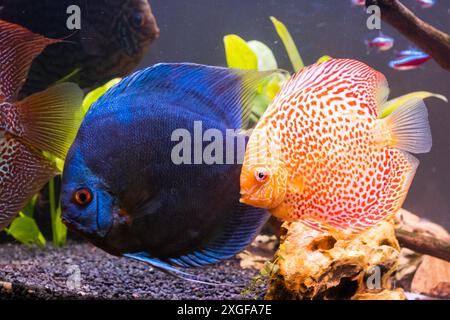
[138, 19]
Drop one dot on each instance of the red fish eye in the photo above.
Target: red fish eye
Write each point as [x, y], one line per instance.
[82, 197]
[261, 174]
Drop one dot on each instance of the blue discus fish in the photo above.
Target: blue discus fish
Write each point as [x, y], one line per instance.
[121, 188]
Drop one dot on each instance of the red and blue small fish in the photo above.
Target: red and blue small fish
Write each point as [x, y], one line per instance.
[359, 2]
[381, 42]
[409, 53]
[409, 62]
[425, 4]
[45, 121]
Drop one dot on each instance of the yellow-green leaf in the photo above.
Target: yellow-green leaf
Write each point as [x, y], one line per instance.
[392, 105]
[289, 44]
[266, 59]
[94, 95]
[238, 53]
[25, 230]
[323, 59]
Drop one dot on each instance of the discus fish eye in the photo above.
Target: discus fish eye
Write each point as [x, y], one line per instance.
[138, 19]
[261, 174]
[82, 197]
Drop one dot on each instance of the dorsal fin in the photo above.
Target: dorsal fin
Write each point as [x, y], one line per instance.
[18, 48]
[227, 91]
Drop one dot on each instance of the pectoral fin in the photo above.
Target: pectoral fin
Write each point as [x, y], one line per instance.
[49, 120]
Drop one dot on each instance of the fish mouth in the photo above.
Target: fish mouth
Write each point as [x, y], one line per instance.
[249, 200]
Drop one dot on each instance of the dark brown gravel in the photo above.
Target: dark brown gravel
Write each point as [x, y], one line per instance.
[47, 274]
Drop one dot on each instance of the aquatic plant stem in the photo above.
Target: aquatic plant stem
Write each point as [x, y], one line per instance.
[53, 217]
[428, 38]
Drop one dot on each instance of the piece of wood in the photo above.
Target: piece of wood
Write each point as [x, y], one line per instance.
[428, 38]
[421, 235]
[322, 265]
[421, 243]
[432, 278]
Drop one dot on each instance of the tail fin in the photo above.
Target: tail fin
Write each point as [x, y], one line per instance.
[50, 119]
[19, 48]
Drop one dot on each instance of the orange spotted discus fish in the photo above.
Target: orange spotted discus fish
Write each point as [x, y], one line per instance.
[332, 152]
[46, 121]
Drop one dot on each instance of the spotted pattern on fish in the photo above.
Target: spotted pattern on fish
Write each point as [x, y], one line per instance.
[323, 123]
[23, 173]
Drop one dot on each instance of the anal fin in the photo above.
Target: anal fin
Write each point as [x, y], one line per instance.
[23, 173]
[167, 268]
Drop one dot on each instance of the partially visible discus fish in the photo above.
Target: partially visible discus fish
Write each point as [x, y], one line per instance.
[46, 121]
[381, 42]
[123, 188]
[113, 38]
[322, 153]
[410, 62]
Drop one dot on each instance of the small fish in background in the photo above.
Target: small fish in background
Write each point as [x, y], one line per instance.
[426, 4]
[45, 121]
[332, 152]
[409, 62]
[408, 53]
[121, 188]
[381, 42]
[359, 3]
[113, 38]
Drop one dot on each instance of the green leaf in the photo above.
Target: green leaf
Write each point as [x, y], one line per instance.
[239, 54]
[25, 230]
[323, 59]
[289, 44]
[29, 208]
[266, 59]
[95, 94]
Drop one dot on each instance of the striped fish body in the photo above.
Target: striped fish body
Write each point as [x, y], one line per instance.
[322, 155]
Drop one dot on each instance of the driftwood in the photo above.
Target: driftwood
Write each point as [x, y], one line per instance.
[422, 243]
[422, 236]
[313, 265]
[432, 278]
[428, 38]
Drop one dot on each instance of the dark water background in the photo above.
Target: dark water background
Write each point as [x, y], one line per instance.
[192, 31]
